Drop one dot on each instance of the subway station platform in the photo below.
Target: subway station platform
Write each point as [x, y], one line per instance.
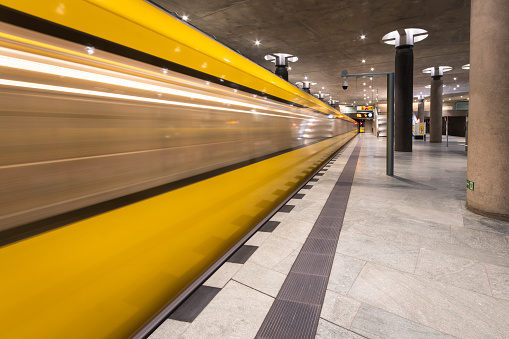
[410, 262]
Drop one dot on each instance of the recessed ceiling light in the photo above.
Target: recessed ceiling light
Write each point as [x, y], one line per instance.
[369, 86]
[323, 87]
[454, 88]
[185, 17]
[372, 69]
[257, 42]
[289, 68]
[363, 37]
[457, 85]
[363, 61]
[462, 96]
[305, 78]
[455, 79]
[449, 99]
[443, 85]
[364, 84]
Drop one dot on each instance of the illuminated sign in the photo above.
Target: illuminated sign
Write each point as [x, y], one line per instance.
[364, 115]
[365, 108]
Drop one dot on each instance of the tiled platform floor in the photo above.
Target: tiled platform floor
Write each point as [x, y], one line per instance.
[411, 261]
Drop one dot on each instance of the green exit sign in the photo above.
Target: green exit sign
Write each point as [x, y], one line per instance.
[470, 185]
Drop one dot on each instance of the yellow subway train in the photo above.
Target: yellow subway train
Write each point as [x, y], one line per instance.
[135, 152]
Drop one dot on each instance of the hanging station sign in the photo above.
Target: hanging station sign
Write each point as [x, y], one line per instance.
[365, 108]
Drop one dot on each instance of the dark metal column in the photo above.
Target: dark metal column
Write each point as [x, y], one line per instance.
[390, 125]
[281, 60]
[403, 87]
[282, 72]
[435, 111]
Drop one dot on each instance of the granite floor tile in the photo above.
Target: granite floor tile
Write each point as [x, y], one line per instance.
[328, 330]
[486, 241]
[279, 216]
[445, 308]
[373, 322]
[344, 271]
[414, 240]
[472, 253]
[480, 223]
[286, 264]
[368, 228]
[499, 280]
[260, 278]
[392, 254]
[169, 329]
[258, 239]
[449, 218]
[273, 251]
[339, 309]
[223, 275]
[449, 269]
[195, 304]
[295, 230]
[309, 214]
[236, 312]
[415, 227]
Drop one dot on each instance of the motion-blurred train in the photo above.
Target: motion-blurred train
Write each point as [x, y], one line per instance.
[135, 152]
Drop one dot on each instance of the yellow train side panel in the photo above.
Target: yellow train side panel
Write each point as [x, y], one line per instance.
[141, 26]
[105, 276]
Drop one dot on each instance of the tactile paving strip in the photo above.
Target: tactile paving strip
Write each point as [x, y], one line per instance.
[296, 310]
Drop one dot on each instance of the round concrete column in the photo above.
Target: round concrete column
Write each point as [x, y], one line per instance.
[488, 134]
[435, 112]
[420, 109]
[403, 95]
[435, 109]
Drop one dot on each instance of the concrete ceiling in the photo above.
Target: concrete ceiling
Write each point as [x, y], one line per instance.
[325, 35]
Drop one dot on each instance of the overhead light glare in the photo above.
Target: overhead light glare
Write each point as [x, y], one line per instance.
[257, 42]
[363, 37]
[185, 17]
[363, 61]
